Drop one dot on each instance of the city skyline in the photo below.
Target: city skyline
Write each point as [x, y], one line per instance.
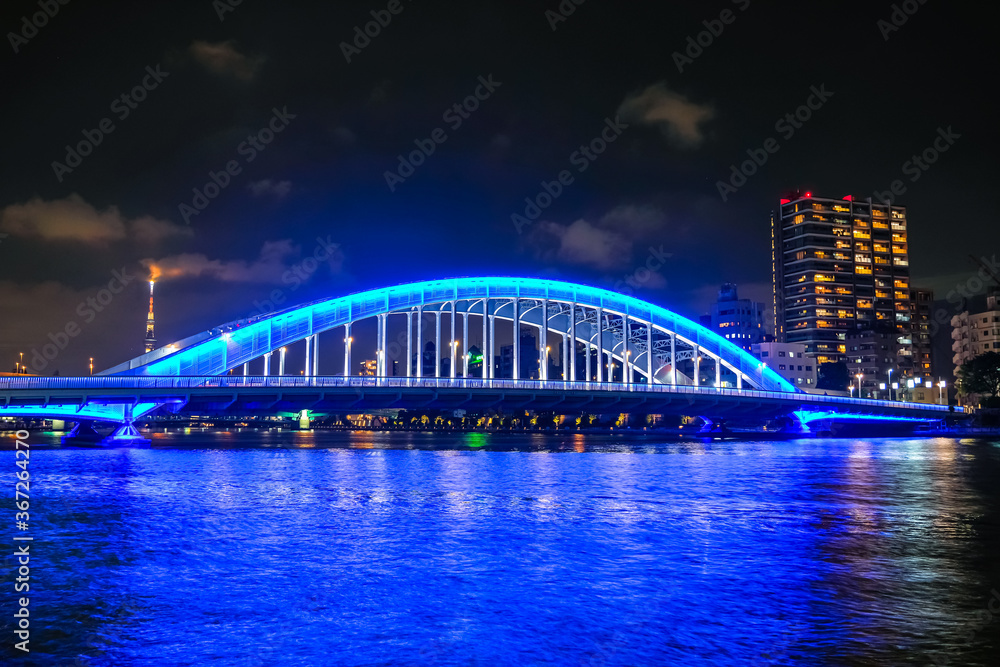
[243, 165]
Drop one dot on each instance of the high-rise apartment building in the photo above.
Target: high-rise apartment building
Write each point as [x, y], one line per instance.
[921, 305]
[976, 333]
[840, 265]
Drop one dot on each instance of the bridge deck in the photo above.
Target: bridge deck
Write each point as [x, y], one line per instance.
[271, 394]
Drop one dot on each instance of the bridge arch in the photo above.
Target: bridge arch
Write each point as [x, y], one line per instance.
[642, 340]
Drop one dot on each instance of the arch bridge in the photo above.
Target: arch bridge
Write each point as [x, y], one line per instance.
[615, 352]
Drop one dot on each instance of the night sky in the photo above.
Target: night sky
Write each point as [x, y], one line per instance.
[211, 76]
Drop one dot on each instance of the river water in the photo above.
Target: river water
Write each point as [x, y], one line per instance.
[320, 548]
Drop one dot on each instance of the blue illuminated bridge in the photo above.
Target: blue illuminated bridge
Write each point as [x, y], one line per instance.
[614, 353]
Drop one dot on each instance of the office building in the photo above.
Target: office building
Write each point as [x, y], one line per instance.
[528, 359]
[790, 361]
[739, 320]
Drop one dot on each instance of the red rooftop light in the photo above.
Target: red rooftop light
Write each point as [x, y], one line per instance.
[849, 198]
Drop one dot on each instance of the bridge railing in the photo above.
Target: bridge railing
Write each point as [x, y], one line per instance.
[139, 382]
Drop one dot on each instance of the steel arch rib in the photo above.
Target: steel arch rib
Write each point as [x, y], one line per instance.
[230, 345]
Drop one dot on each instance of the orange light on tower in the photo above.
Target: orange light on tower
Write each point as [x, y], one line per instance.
[150, 322]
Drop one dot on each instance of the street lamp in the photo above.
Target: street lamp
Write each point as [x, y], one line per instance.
[859, 376]
[890, 384]
[941, 385]
[91, 365]
[881, 386]
[22, 362]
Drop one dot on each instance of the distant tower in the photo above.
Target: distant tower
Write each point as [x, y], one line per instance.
[150, 322]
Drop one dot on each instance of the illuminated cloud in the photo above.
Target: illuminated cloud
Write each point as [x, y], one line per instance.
[605, 244]
[224, 59]
[73, 219]
[275, 259]
[678, 118]
[268, 187]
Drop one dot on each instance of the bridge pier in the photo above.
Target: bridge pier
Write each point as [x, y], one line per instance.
[713, 427]
[126, 434]
[82, 432]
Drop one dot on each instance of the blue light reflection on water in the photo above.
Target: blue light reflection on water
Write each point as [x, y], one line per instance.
[260, 548]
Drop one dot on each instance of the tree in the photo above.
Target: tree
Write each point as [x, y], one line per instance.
[981, 375]
[834, 377]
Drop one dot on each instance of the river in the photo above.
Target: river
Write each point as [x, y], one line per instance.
[251, 548]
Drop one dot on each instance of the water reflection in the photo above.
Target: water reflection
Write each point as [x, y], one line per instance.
[303, 548]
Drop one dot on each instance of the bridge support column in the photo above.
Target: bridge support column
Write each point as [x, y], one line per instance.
[718, 372]
[380, 346]
[315, 362]
[267, 363]
[649, 354]
[308, 366]
[611, 363]
[493, 331]
[420, 341]
[626, 351]
[453, 344]
[485, 345]
[281, 361]
[437, 343]
[600, 345]
[589, 377]
[348, 341]
[385, 346]
[739, 380]
[673, 359]
[246, 369]
[697, 366]
[572, 338]
[543, 343]
[409, 343]
[465, 342]
[517, 340]
[565, 358]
